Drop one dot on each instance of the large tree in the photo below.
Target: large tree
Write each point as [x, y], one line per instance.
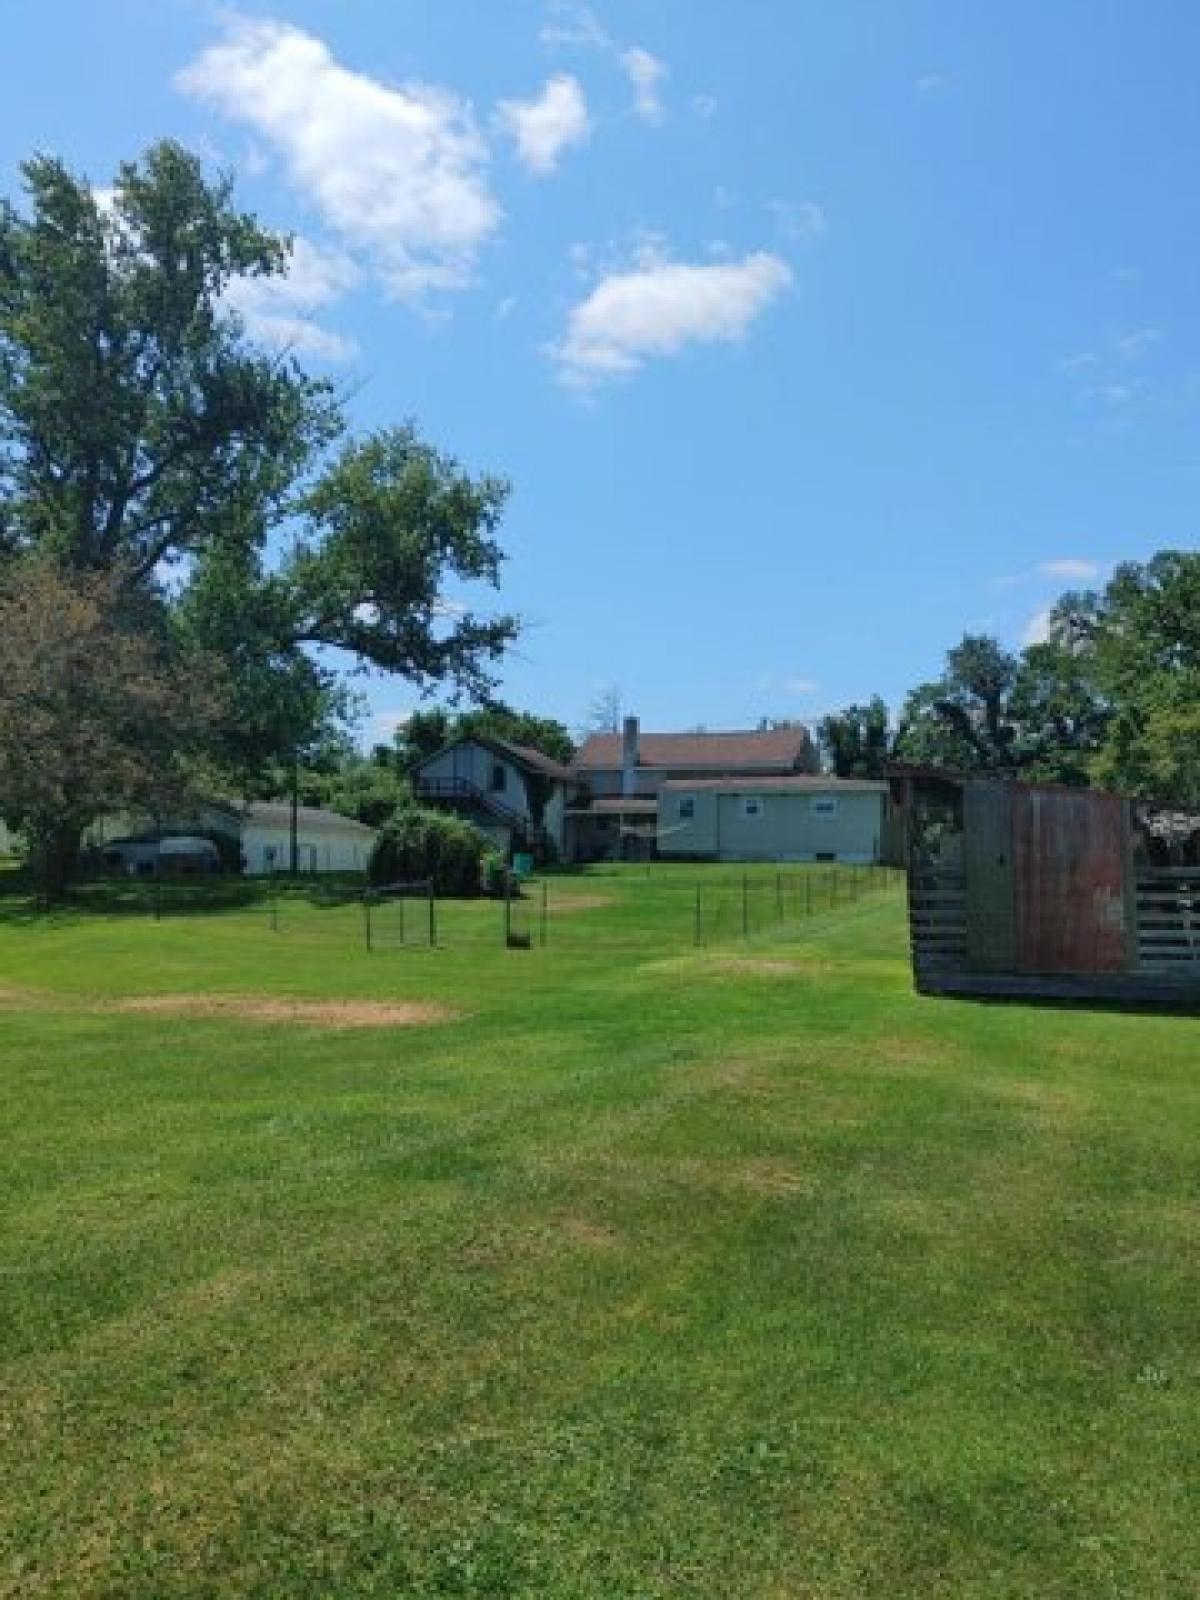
[962, 720]
[855, 740]
[142, 433]
[1038, 714]
[426, 732]
[94, 702]
[1138, 641]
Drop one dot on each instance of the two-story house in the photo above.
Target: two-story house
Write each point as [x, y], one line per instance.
[752, 795]
[617, 811]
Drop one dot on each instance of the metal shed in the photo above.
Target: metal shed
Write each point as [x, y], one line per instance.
[1044, 891]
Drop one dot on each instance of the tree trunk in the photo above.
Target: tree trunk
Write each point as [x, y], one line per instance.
[55, 859]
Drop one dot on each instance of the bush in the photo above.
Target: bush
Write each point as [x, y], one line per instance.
[417, 844]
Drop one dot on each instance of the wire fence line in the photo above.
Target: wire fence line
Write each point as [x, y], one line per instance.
[667, 910]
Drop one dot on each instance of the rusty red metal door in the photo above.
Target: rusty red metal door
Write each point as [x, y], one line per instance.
[1069, 853]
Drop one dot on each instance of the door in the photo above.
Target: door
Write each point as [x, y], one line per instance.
[988, 875]
[1069, 850]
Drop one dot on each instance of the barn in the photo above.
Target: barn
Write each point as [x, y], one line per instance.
[1042, 891]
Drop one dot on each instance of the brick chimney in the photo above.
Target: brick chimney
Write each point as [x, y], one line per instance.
[629, 757]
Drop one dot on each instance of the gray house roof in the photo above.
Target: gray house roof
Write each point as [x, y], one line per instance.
[278, 814]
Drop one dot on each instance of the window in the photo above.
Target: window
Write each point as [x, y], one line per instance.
[499, 778]
[751, 808]
[687, 807]
[824, 805]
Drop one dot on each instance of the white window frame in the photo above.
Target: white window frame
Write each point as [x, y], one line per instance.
[824, 805]
[686, 811]
[752, 808]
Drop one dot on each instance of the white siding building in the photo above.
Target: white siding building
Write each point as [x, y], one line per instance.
[327, 841]
[773, 819]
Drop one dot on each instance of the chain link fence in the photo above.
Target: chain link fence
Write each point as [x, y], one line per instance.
[654, 909]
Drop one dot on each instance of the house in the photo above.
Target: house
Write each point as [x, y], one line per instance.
[515, 795]
[621, 807]
[797, 818]
[1047, 892]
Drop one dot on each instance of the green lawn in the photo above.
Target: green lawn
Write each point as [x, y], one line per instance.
[645, 1271]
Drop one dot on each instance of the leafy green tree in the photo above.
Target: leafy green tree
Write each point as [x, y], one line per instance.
[427, 732]
[962, 721]
[856, 740]
[97, 711]
[1060, 717]
[1139, 643]
[142, 434]
[1038, 715]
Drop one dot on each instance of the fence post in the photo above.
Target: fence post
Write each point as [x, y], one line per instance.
[429, 885]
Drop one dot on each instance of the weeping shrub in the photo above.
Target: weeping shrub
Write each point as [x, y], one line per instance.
[415, 845]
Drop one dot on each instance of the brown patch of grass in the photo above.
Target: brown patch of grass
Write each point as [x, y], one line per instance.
[567, 905]
[1038, 1095]
[760, 965]
[770, 1177]
[305, 1013]
[21, 999]
[587, 1235]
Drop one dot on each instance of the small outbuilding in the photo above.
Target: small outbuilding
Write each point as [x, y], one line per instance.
[1049, 892]
[326, 841]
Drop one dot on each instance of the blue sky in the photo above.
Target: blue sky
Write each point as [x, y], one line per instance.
[810, 334]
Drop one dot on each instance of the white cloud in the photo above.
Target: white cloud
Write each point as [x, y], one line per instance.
[1113, 394]
[646, 73]
[1070, 569]
[279, 311]
[931, 82]
[1134, 345]
[1082, 361]
[801, 686]
[545, 127]
[1037, 629]
[397, 172]
[801, 221]
[705, 106]
[574, 25]
[660, 307]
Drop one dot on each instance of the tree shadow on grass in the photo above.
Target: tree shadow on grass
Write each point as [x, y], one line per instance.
[155, 899]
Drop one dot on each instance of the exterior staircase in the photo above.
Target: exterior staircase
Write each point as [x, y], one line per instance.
[462, 794]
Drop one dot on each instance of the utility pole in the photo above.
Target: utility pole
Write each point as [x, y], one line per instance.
[295, 839]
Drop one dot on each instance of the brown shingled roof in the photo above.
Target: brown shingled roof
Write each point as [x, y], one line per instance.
[766, 749]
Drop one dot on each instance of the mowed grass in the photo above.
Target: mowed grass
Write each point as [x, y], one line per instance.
[643, 1272]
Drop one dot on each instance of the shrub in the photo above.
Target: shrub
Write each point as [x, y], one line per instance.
[419, 844]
